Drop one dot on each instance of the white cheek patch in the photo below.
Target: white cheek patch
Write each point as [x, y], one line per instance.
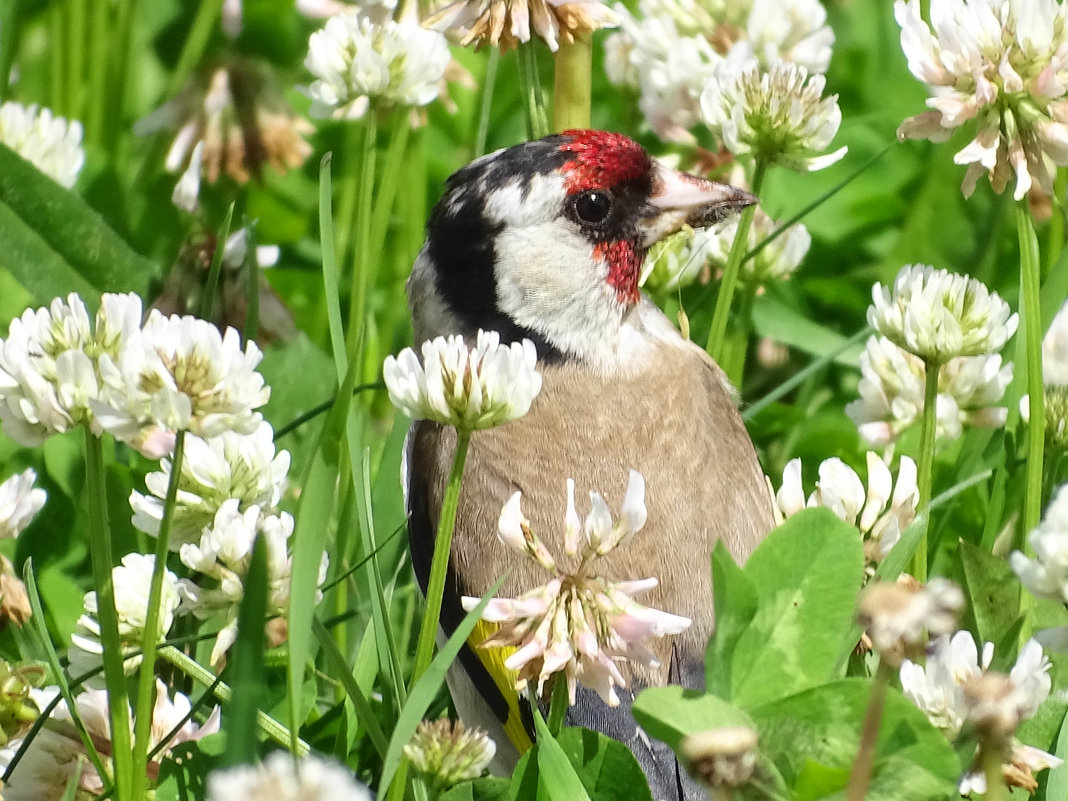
[527, 203]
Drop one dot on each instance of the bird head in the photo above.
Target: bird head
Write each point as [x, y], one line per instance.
[546, 239]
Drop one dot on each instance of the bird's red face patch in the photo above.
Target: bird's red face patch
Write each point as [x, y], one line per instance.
[624, 267]
[602, 160]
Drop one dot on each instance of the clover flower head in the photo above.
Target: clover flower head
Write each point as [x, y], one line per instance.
[881, 511]
[775, 116]
[898, 616]
[938, 315]
[722, 758]
[467, 387]
[237, 466]
[937, 688]
[505, 23]
[998, 703]
[222, 557]
[1000, 63]
[1046, 575]
[358, 61]
[56, 755]
[578, 623]
[776, 261]
[445, 752]
[181, 373]
[281, 777]
[20, 501]
[669, 50]
[892, 387]
[132, 581]
[52, 144]
[49, 363]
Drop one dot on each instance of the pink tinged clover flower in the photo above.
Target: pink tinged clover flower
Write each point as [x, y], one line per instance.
[1001, 63]
[578, 624]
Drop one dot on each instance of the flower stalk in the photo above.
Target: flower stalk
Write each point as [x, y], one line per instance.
[860, 776]
[361, 259]
[572, 94]
[102, 556]
[439, 566]
[925, 465]
[717, 333]
[530, 86]
[1032, 314]
[146, 679]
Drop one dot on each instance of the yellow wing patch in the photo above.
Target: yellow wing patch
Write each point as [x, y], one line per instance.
[493, 660]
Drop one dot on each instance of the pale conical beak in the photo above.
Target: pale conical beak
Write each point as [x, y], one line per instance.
[680, 199]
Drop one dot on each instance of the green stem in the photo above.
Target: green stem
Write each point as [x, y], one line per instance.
[103, 559]
[1032, 324]
[439, 566]
[572, 96]
[268, 725]
[925, 466]
[860, 776]
[736, 343]
[99, 45]
[486, 104]
[717, 333]
[150, 635]
[76, 15]
[530, 83]
[558, 704]
[396, 157]
[200, 32]
[1055, 234]
[992, 759]
[361, 254]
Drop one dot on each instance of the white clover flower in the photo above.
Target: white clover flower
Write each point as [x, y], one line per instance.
[56, 755]
[938, 315]
[132, 581]
[357, 61]
[939, 691]
[282, 777]
[892, 386]
[505, 23]
[49, 363]
[222, 557]
[779, 116]
[898, 616]
[1055, 350]
[244, 467]
[1024, 762]
[880, 513]
[52, 144]
[1046, 576]
[1002, 64]
[181, 373]
[578, 623]
[669, 50]
[20, 501]
[469, 388]
[446, 753]
[776, 261]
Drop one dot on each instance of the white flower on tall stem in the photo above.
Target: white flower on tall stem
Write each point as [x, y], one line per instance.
[244, 467]
[132, 580]
[467, 387]
[358, 61]
[49, 363]
[778, 116]
[1000, 63]
[282, 777]
[223, 556]
[52, 144]
[776, 261]
[181, 373]
[20, 501]
[56, 756]
[891, 392]
[938, 315]
[579, 624]
[880, 513]
[506, 23]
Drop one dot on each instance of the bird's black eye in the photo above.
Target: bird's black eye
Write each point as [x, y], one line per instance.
[593, 206]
